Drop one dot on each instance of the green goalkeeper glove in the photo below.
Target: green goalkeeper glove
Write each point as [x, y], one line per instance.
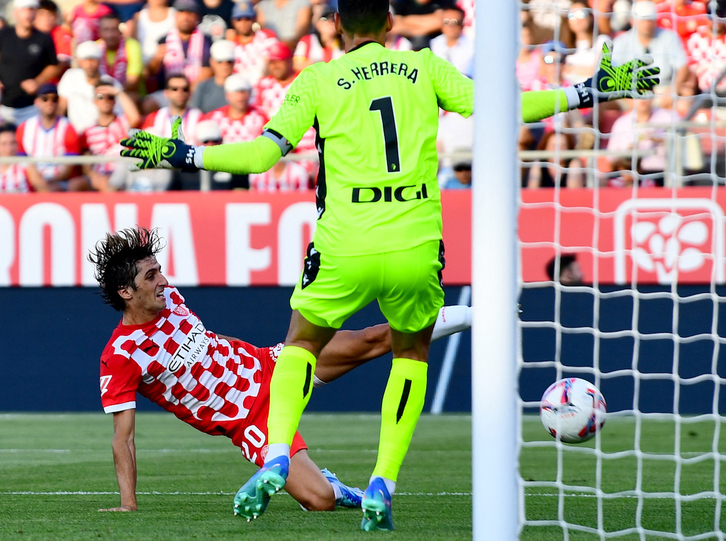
[631, 80]
[159, 152]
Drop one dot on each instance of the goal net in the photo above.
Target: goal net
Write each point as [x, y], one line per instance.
[621, 238]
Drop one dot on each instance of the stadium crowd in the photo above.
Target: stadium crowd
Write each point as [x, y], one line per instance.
[75, 78]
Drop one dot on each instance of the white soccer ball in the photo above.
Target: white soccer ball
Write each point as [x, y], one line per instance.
[573, 410]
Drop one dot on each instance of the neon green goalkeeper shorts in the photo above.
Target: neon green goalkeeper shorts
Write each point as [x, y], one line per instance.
[406, 283]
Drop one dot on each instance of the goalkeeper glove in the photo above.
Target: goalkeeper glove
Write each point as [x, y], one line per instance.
[632, 79]
[160, 152]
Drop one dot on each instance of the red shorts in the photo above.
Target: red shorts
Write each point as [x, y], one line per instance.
[250, 434]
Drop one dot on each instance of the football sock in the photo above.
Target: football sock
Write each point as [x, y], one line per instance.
[451, 319]
[403, 401]
[317, 382]
[390, 485]
[277, 449]
[290, 390]
[338, 493]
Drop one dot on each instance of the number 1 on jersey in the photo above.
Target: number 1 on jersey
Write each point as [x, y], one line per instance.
[390, 134]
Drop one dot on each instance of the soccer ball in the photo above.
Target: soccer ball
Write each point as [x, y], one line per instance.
[573, 410]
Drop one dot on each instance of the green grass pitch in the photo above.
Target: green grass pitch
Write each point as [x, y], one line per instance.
[56, 471]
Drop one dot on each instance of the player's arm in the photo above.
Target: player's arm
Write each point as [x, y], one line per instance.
[349, 349]
[124, 458]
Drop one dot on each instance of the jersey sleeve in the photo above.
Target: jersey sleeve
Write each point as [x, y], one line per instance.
[120, 378]
[454, 90]
[297, 112]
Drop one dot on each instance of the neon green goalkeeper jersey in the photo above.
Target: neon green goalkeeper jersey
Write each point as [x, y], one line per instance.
[376, 114]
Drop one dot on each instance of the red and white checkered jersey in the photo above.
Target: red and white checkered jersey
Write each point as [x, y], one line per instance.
[294, 177]
[236, 130]
[707, 58]
[310, 48]
[104, 141]
[469, 7]
[218, 386]
[250, 59]
[60, 140]
[15, 180]
[159, 123]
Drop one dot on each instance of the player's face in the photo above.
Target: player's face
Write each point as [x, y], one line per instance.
[8, 144]
[177, 92]
[89, 66]
[238, 100]
[186, 21]
[110, 32]
[24, 17]
[104, 99]
[47, 104]
[223, 68]
[452, 24]
[148, 297]
[280, 69]
[45, 21]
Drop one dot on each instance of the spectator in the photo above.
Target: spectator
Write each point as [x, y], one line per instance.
[683, 16]
[528, 61]
[151, 24]
[457, 177]
[85, 20]
[185, 49]
[209, 94]
[562, 172]
[17, 177]
[549, 21]
[120, 57]
[177, 95]
[452, 44]
[646, 38]
[271, 92]
[49, 134]
[253, 46]
[47, 20]
[238, 121]
[626, 134]
[77, 87]
[580, 65]
[418, 20]
[209, 134]
[125, 9]
[27, 60]
[213, 10]
[290, 20]
[570, 271]
[707, 52]
[552, 66]
[321, 45]
[397, 43]
[284, 176]
[103, 138]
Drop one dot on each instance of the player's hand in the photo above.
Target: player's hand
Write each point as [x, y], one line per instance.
[121, 509]
[631, 80]
[159, 152]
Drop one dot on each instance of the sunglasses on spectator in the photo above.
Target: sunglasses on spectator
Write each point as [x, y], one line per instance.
[108, 97]
[50, 97]
[462, 167]
[212, 142]
[551, 59]
[452, 22]
[578, 14]
[178, 88]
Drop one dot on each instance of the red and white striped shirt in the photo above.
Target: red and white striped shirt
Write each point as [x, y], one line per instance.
[294, 177]
[310, 48]
[240, 129]
[104, 141]
[159, 123]
[250, 59]
[15, 180]
[707, 58]
[60, 140]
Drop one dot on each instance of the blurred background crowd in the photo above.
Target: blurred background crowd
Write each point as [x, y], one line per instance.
[76, 76]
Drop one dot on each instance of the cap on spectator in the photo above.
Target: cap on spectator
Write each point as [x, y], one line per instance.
[46, 88]
[186, 5]
[208, 131]
[236, 83]
[280, 51]
[19, 4]
[222, 50]
[88, 49]
[243, 10]
[328, 11]
[644, 10]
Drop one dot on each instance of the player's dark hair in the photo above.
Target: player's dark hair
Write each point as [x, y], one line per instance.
[176, 75]
[8, 128]
[565, 261]
[116, 260]
[363, 17]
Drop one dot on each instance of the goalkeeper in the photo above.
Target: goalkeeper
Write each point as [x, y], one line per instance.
[379, 230]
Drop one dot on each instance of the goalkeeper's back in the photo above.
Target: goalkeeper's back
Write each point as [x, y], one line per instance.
[376, 114]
